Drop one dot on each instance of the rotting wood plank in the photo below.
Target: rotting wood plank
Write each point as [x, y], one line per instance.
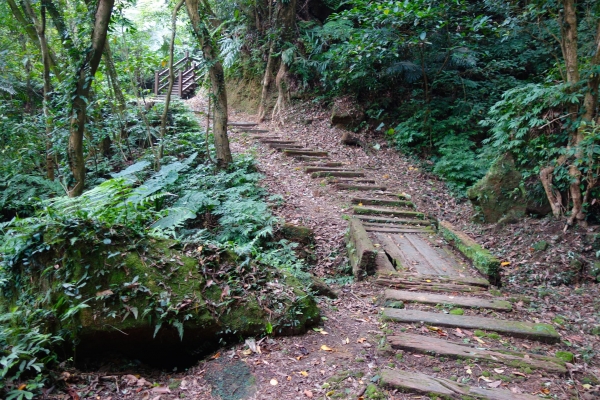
[421, 224]
[427, 286]
[242, 124]
[410, 255]
[282, 147]
[441, 347]
[347, 186]
[351, 181]
[461, 301]
[388, 221]
[392, 251]
[382, 202]
[325, 174]
[395, 212]
[276, 141]
[309, 158]
[250, 130]
[427, 385]
[258, 137]
[325, 164]
[319, 169]
[305, 153]
[540, 332]
[457, 280]
[444, 263]
[362, 253]
[371, 228]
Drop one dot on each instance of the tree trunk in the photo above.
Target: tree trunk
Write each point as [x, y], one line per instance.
[40, 29]
[30, 29]
[286, 21]
[217, 79]
[114, 77]
[266, 84]
[85, 75]
[163, 118]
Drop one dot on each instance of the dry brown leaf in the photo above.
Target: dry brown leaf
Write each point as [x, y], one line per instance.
[326, 348]
[308, 394]
[495, 384]
[161, 390]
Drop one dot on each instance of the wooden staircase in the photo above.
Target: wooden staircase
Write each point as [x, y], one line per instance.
[186, 79]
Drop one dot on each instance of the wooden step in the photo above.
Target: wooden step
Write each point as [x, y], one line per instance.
[432, 286]
[434, 387]
[441, 347]
[349, 186]
[304, 158]
[540, 332]
[457, 280]
[399, 229]
[325, 174]
[282, 147]
[391, 221]
[422, 222]
[269, 140]
[382, 202]
[307, 152]
[267, 137]
[324, 164]
[250, 130]
[242, 124]
[352, 181]
[319, 169]
[394, 212]
[460, 301]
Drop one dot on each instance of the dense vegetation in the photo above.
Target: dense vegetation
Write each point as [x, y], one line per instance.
[87, 156]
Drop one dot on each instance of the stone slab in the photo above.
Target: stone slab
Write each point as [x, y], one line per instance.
[442, 347]
[428, 385]
[461, 301]
[540, 332]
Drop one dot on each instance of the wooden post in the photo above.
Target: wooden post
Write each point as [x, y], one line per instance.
[156, 82]
[181, 83]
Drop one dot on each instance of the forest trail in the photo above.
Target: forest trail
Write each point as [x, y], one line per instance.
[438, 318]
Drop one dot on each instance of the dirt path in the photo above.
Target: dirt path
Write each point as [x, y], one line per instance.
[377, 340]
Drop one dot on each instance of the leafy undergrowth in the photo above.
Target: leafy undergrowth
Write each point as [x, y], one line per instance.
[59, 267]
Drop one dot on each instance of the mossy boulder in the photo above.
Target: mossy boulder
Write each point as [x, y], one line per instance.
[346, 113]
[152, 298]
[501, 197]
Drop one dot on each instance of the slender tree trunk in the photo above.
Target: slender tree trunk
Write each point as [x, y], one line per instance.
[163, 118]
[266, 84]
[85, 75]
[217, 78]
[40, 29]
[114, 77]
[286, 21]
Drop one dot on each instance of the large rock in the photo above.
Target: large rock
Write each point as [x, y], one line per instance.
[500, 197]
[346, 113]
[153, 300]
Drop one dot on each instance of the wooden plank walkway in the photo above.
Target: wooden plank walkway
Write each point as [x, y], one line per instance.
[447, 299]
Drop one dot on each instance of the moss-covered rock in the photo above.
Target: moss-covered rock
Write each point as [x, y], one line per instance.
[152, 298]
[500, 195]
[346, 112]
[565, 356]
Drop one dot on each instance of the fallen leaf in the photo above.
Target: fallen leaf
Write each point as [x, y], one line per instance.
[362, 339]
[104, 293]
[324, 333]
[545, 391]
[22, 386]
[428, 280]
[308, 394]
[519, 373]
[479, 340]
[505, 263]
[325, 348]
[274, 382]
[498, 370]
[303, 373]
[458, 332]
[346, 341]
[161, 390]
[216, 356]
[495, 384]
[468, 371]
[330, 393]
[587, 386]
[485, 379]
[433, 328]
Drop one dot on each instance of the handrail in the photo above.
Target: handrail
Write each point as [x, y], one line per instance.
[184, 78]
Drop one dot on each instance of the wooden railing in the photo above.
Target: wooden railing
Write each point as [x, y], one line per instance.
[186, 78]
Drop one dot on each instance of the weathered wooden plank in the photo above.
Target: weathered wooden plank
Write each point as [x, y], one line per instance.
[319, 169]
[427, 385]
[441, 262]
[257, 137]
[276, 141]
[457, 280]
[410, 256]
[324, 174]
[420, 224]
[371, 228]
[242, 124]
[346, 186]
[395, 212]
[541, 332]
[427, 286]
[250, 130]
[382, 202]
[392, 250]
[282, 147]
[441, 347]
[306, 152]
[352, 181]
[384, 220]
[361, 251]
[462, 301]
[308, 158]
[324, 164]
